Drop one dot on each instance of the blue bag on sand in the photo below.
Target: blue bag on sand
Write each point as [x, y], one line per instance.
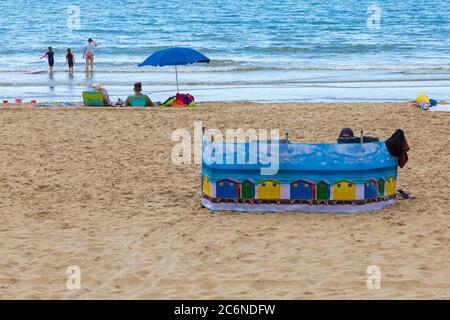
[433, 103]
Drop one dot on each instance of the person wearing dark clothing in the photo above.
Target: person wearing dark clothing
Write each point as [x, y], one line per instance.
[398, 147]
[70, 59]
[346, 136]
[50, 57]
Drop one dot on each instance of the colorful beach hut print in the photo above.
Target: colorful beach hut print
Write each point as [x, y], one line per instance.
[381, 185]
[302, 190]
[248, 190]
[390, 186]
[269, 190]
[323, 191]
[371, 189]
[206, 186]
[344, 191]
[227, 189]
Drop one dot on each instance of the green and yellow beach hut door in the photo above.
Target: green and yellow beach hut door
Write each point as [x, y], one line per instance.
[390, 186]
[206, 186]
[344, 191]
[269, 190]
[248, 190]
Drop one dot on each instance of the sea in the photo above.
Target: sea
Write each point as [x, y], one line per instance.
[260, 50]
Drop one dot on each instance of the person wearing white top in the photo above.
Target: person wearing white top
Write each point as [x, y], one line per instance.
[89, 51]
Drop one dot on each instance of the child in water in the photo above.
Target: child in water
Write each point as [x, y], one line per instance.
[50, 56]
[70, 60]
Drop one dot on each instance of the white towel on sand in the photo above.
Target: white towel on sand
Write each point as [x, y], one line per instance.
[441, 107]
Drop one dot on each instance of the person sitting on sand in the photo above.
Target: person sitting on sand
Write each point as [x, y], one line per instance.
[106, 99]
[138, 93]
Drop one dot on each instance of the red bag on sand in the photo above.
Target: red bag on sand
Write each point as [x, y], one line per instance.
[179, 97]
[185, 98]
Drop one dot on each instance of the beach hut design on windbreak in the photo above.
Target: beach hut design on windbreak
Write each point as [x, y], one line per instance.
[302, 190]
[381, 185]
[228, 189]
[371, 189]
[303, 182]
[206, 187]
[323, 192]
[269, 190]
[344, 191]
[248, 191]
[390, 186]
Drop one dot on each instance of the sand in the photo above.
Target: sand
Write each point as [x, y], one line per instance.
[96, 188]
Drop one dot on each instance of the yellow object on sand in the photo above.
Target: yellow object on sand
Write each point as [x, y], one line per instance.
[423, 98]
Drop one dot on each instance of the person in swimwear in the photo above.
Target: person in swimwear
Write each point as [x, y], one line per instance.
[50, 55]
[89, 52]
[70, 60]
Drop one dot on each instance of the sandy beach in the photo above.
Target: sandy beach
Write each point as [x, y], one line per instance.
[96, 188]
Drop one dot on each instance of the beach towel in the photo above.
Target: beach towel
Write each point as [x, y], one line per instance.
[63, 104]
[441, 108]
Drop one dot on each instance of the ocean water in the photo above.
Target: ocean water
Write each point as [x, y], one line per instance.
[264, 50]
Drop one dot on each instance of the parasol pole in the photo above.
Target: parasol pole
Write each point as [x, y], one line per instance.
[176, 74]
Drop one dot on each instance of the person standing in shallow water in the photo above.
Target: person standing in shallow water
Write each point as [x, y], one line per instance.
[89, 53]
[70, 59]
[50, 55]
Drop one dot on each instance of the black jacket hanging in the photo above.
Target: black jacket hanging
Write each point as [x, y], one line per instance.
[398, 147]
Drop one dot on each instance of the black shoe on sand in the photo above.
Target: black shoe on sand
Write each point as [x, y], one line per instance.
[403, 194]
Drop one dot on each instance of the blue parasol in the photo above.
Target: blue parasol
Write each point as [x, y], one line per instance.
[174, 57]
